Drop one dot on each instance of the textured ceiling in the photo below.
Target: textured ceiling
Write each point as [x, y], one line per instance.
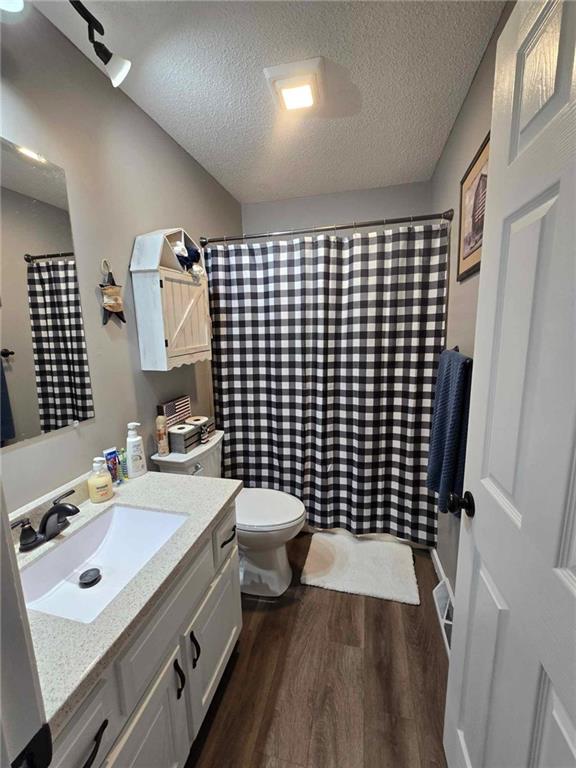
[396, 76]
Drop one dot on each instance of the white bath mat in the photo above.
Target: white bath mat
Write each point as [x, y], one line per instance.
[361, 565]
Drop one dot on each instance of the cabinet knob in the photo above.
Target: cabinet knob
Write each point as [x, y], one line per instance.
[181, 678]
[197, 649]
[230, 538]
[96, 747]
[6, 353]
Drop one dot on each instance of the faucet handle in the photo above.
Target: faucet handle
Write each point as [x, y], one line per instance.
[29, 539]
[64, 495]
[23, 521]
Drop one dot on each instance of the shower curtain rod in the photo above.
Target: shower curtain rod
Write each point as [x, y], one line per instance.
[30, 259]
[446, 216]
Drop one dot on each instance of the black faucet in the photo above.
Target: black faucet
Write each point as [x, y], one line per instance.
[52, 523]
[55, 519]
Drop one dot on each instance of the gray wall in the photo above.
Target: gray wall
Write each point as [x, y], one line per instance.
[439, 194]
[125, 176]
[28, 226]
[338, 208]
[469, 130]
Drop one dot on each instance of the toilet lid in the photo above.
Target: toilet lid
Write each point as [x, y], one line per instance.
[265, 509]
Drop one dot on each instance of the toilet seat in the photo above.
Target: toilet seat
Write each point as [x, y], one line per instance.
[263, 509]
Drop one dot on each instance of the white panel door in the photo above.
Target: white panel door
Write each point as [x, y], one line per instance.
[511, 699]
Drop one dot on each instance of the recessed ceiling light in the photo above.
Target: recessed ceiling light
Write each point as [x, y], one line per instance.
[297, 85]
[31, 154]
[297, 97]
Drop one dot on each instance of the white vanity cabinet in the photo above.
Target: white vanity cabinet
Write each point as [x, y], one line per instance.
[172, 309]
[149, 704]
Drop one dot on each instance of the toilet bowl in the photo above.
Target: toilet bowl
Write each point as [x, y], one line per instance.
[265, 520]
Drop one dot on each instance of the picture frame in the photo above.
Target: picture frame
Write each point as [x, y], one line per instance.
[472, 207]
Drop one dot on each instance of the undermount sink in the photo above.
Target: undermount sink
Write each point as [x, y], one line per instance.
[113, 547]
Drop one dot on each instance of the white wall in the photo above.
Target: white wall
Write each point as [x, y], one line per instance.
[469, 130]
[338, 208]
[28, 226]
[125, 176]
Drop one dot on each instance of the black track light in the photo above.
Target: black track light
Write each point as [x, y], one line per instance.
[116, 67]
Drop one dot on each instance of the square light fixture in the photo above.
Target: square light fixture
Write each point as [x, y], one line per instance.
[297, 85]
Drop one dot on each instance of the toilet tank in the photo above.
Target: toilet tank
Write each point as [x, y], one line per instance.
[204, 460]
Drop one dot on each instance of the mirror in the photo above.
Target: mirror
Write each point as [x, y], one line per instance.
[45, 380]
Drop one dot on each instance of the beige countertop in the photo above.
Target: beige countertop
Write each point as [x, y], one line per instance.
[71, 655]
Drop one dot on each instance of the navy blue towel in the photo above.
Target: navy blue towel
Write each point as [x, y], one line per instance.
[6, 421]
[449, 426]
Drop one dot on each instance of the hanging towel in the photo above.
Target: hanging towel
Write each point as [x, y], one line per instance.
[449, 426]
[7, 431]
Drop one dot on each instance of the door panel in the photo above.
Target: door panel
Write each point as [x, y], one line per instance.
[524, 241]
[543, 77]
[186, 314]
[511, 699]
[210, 639]
[157, 736]
[486, 623]
[554, 735]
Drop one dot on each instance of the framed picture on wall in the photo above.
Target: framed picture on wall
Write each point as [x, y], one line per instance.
[472, 207]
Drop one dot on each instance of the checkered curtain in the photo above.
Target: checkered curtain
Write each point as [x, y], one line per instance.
[60, 358]
[324, 360]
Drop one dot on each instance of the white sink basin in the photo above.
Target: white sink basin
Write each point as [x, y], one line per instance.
[119, 543]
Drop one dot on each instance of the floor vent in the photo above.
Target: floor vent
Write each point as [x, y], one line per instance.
[444, 602]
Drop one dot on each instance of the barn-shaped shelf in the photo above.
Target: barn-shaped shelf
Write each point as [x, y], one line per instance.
[172, 310]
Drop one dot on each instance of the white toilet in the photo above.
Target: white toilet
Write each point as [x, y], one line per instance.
[265, 520]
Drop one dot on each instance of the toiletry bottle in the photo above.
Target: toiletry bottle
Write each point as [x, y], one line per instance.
[123, 464]
[162, 436]
[113, 464]
[135, 457]
[100, 481]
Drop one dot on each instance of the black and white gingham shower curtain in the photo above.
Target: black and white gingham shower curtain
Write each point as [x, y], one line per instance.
[60, 358]
[324, 359]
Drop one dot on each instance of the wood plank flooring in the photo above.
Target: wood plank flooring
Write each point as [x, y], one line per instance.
[329, 680]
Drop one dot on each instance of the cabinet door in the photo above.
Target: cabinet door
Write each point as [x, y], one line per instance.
[187, 325]
[91, 731]
[209, 640]
[158, 735]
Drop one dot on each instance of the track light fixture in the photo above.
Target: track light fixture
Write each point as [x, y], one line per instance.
[116, 67]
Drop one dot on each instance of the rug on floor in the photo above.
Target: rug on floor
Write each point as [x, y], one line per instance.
[361, 565]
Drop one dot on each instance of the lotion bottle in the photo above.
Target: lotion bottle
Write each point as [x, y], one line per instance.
[162, 436]
[135, 457]
[100, 481]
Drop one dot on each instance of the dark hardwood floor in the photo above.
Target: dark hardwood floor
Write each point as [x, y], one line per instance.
[330, 680]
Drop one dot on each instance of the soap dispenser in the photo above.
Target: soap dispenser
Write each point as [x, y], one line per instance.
[100, 481]
[135, 457]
